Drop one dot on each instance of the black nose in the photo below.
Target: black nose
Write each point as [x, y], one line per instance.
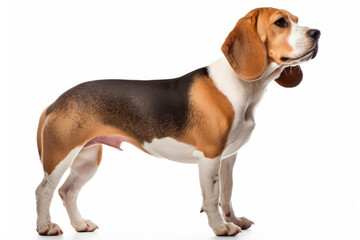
[314, 33]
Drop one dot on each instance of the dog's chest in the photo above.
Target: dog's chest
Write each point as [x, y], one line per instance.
[244, 97]
[239, 134]
[244, 106]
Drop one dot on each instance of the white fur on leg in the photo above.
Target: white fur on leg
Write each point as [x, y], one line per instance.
[45, 192]
[82, 170]
[226, 182]
[209, 181]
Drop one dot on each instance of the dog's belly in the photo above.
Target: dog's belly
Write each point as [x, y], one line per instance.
[172, 149]
[180, 152]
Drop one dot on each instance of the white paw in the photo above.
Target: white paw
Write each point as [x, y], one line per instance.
[49, 229]
[226, 229]
[91, 226]
[85, 226]
[242, 222]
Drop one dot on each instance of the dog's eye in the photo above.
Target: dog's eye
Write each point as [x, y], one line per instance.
[281, 23]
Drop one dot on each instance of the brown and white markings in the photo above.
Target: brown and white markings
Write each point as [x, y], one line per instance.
[203, 117]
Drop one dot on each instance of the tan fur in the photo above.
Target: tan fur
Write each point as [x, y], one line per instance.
[244, 48]
[99, 155]
[60, 134]
[211, 120]
[39, 131]
[275, 38]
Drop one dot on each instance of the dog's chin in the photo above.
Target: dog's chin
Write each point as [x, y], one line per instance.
[315, 51]
[309, 54]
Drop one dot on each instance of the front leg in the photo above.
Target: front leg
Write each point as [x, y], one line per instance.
[226, 181]
[209, 181]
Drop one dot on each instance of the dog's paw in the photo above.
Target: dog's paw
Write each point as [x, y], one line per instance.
[85, 226]
[49, 229]
[91, 226]
[226, 229]
[242, 222]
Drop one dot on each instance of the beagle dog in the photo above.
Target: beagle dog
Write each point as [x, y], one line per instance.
[203, 117]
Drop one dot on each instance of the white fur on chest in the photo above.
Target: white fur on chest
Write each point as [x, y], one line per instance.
[244, 97]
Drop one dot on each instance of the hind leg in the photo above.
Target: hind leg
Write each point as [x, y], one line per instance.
[45, 191]
[82, 170]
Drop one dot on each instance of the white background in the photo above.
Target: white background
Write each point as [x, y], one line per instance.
[297, 178]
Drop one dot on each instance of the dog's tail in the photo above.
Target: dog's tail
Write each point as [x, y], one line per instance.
[40, 130]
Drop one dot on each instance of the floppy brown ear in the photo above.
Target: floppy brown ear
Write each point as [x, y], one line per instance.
[290, 77]
[244, 49]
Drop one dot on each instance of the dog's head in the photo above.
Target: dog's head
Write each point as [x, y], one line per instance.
[268, 35]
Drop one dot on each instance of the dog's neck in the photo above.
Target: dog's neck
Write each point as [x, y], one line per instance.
[240, 91]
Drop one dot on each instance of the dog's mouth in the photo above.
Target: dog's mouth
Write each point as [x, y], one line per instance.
[312, 51]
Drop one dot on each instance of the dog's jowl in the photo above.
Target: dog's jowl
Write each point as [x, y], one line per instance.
[203, 117]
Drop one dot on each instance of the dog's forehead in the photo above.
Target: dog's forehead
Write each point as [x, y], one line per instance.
[271, 14]
[293, 18]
